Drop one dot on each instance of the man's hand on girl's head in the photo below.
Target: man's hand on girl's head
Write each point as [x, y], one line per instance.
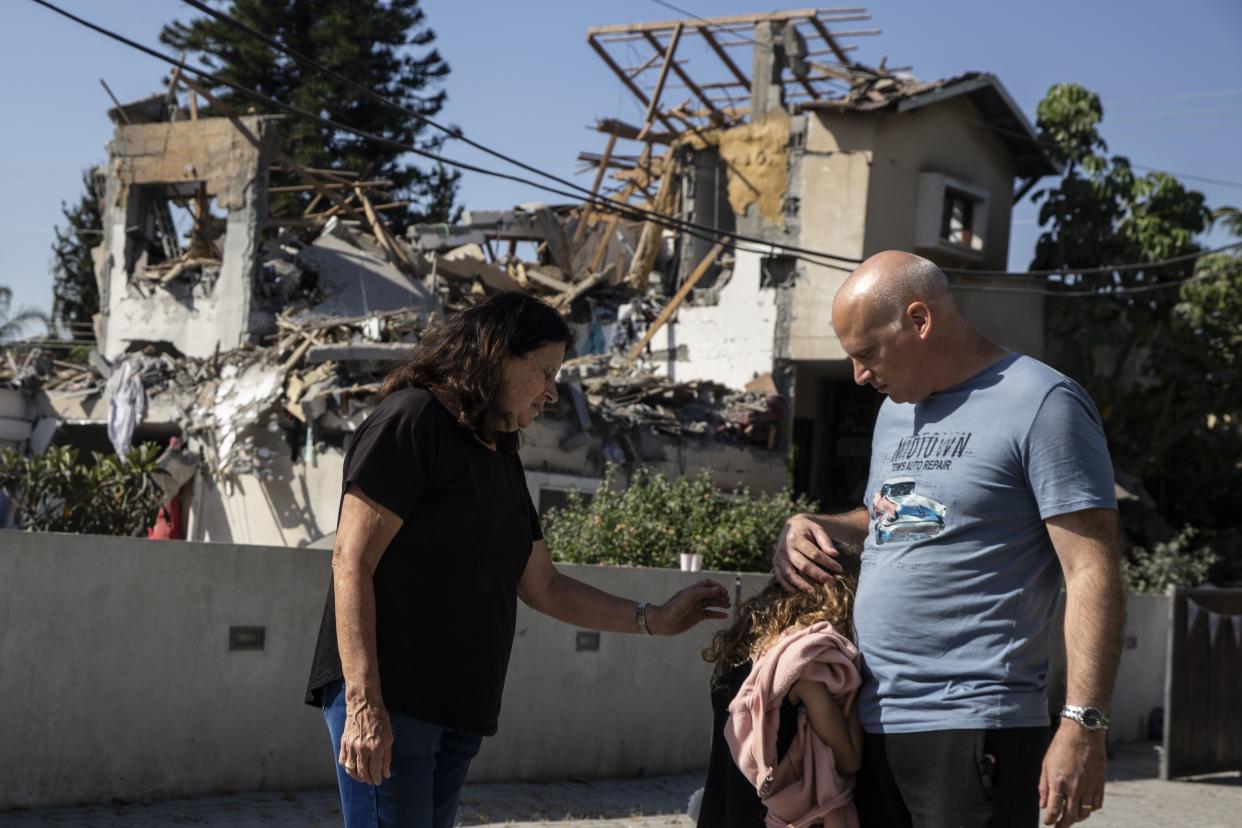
[804, 555]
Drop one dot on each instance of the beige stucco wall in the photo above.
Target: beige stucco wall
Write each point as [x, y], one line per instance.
[859, 191]
[943, 138]
[834, 188]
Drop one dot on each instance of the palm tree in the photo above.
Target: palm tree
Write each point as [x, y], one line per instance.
[12, 326]
[1230, 217]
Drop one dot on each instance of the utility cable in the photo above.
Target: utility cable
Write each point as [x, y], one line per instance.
[699, 231]
[606, 204]
[461, 136]
[1082, 271]
[1101, 293]
[1024, 136]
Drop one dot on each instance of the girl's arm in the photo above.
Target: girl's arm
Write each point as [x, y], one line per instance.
[838, 729]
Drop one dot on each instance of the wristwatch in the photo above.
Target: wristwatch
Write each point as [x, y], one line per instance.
[1090, 718]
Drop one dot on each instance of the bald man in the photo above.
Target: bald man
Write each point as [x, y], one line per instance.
[990, 478]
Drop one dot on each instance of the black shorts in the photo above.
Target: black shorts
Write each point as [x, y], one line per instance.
[951, 778]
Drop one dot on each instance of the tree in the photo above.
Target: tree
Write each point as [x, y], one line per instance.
[385, 46]
[11, 327]
[1157, 347]
[54, 492]
[75, 292]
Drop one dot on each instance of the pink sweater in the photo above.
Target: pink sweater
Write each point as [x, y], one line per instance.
[804, 788]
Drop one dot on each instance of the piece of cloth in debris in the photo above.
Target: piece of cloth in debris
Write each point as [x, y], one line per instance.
[169, 524]
[127, 403]
[630, 326]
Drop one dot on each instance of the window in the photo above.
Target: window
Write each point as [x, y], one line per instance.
[956, 220]
[952, 216]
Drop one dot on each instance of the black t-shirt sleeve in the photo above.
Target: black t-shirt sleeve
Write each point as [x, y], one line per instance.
[392, 453]
[536, 528]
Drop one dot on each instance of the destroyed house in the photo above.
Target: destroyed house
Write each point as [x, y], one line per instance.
[260, 338]
[766, 126]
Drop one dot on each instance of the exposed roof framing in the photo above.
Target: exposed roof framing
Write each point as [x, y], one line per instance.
[697, 52]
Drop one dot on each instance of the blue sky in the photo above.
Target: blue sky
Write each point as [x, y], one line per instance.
[524, 80]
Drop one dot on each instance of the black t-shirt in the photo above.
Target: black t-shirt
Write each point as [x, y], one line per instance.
[729, 798]
[446, 587]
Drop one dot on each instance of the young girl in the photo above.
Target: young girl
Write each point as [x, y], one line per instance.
[786, 740]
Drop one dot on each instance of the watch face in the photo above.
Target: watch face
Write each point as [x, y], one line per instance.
[1092, 718]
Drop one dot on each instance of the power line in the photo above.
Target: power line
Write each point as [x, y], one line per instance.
[1052, 145]
[1218, 93]
[1178, 113]
[1101, 293]
[691, 228]
[1024, 136]
[673, 223]
[1086, 271]
[459, 135]
[373, 95]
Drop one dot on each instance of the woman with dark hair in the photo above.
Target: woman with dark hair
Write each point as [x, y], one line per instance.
[437, 539]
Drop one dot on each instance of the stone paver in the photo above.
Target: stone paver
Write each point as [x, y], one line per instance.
[1134, 797]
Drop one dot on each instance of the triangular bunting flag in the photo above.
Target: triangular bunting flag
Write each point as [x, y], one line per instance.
[1214, 620]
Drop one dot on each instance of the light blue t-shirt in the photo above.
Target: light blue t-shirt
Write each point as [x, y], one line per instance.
[959, 578]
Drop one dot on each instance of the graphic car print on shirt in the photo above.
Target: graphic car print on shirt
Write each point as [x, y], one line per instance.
[902, 515]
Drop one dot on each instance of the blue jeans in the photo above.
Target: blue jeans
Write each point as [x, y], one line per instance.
[429, 765]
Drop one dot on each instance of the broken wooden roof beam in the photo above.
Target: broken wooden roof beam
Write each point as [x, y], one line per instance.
[626, 79]
[630, 132]
[738, 22]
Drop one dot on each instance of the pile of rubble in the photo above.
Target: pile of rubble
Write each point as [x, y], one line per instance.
[335, 295]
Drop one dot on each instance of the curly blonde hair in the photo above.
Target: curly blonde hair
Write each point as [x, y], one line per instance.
[765, 617]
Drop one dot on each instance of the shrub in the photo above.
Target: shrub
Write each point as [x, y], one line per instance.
[53, 492]
[1183, 560]
[654, 519]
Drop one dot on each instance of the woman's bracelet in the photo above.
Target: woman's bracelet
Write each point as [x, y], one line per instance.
[641, 613]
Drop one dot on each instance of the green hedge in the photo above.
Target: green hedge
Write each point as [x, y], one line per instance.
[655, 519]
[55, 492]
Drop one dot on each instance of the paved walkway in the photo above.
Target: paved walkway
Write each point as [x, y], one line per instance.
[1134, 797]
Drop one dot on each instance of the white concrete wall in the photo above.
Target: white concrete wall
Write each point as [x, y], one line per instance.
[1140, 680]
[16, 418]
[294, 507]
[116, 678]
[730, 342]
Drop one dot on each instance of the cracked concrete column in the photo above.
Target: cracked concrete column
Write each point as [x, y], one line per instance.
[767, 93]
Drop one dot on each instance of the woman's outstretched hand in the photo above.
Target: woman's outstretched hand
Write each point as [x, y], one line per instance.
[697, 602]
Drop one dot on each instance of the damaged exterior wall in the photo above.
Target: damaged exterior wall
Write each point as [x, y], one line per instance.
[859, 191]
[294, 506]
[197, 319]
[296, 502]
[731, 340]
[756, 157]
